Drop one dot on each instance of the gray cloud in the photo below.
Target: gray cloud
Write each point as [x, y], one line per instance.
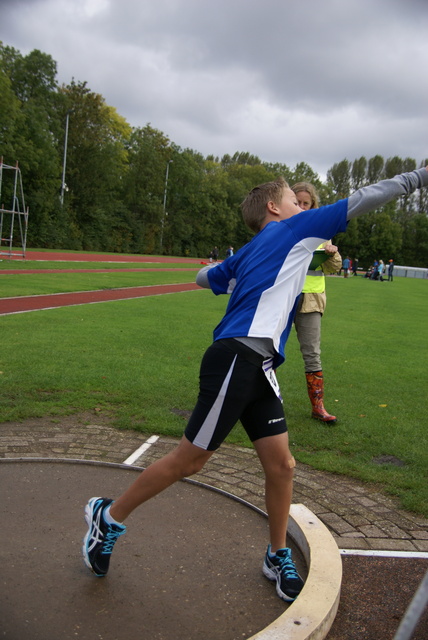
[287, 81]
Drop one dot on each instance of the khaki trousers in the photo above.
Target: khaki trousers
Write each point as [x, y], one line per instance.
[308, 328]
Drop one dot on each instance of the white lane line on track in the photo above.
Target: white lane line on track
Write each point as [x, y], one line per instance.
[384, 554]
[139, 452]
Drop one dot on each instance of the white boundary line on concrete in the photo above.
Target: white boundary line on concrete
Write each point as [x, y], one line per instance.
[139, 452]
[384, 554]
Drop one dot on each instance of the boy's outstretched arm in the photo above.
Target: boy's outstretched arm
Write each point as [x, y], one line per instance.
[376, 195]
[202, 276]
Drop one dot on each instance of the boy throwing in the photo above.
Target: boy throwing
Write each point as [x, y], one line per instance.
[237, 376]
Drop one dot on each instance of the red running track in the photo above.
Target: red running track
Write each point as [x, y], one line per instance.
[101, 257]
[34, 303]
[22, 304]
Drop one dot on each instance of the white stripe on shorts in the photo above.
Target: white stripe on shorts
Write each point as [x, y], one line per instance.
[207, 429]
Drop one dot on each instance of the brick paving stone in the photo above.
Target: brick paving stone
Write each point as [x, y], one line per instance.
[386, 544]
[336, 523]
[421, 545]
[357, 520]
[405, 520]
[372, 531]
[391, 530]
[417, 520]
[310, 504]
[358, 490]
[365, 502]
[307, 482]
[419, 535]
[215, 475]
[347, 542]
[252, 488]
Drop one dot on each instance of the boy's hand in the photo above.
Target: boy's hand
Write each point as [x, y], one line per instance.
[331, 249]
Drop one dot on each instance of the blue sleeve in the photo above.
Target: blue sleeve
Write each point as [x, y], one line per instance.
[324, 222]
[221, 277]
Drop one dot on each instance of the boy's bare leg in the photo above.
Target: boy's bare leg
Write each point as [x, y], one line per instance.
[278, 465]
[183, 461]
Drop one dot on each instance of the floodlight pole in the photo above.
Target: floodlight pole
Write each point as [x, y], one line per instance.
[164, 202]
[65, 157]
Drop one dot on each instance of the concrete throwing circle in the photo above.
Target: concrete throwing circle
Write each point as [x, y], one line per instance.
[189, 566]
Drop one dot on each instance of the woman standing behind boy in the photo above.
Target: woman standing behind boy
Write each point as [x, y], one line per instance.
[311, 308]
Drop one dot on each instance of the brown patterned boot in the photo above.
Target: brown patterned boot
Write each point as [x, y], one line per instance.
[315, 384]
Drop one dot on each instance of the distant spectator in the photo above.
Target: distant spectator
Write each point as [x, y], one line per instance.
[214, 255]
[355, 267]
[390, 270]
[229, 252]
[345, 267]
[375, 271]
[381, 269]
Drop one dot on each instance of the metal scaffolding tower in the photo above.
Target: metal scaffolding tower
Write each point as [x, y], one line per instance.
[13, 221]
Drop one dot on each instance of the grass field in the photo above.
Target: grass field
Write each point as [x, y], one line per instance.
[139, 360]
[47, 283]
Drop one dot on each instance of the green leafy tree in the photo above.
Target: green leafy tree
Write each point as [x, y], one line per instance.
[375, 169]
[349, 243]
[188, 222]
[385, 238]
[358, 173]
[414, 251]
[10, 118]
[149, 152]
[339, 179]
[30, 141]
[96, 164]
[422, 195]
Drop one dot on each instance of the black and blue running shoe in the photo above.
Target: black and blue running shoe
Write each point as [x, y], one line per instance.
[100, 539]
[281, 568]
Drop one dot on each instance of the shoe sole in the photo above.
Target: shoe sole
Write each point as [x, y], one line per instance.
[274, 577]
[89, 512]
[325, 421]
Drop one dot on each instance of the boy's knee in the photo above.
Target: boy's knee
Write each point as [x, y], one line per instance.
[193, 467]
[285, 468]
[190, 466]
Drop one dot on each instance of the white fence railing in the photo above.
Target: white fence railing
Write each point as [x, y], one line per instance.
[408, 272]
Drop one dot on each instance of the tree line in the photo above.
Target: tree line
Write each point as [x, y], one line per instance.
[133, 190]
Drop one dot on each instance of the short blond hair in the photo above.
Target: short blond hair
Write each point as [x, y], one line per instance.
[309, 188]
[254, 205]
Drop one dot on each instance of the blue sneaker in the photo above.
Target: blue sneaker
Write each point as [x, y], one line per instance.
[281, 568]
[99, 541]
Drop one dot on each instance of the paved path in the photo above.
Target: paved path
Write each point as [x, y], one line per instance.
[358, 515]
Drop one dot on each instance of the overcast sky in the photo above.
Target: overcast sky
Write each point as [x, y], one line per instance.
[286, 80]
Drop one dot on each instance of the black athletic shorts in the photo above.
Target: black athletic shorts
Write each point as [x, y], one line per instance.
[232, 387]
